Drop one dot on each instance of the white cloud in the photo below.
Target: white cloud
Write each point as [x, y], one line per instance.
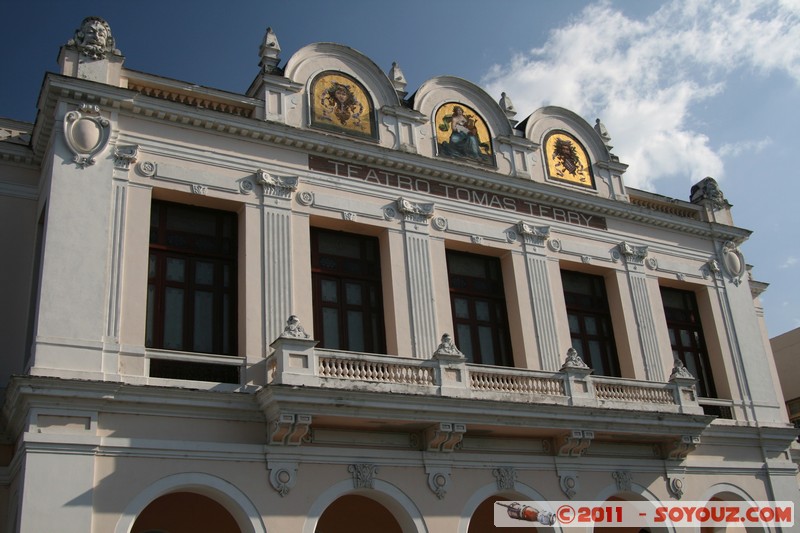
[744, 147]
[790, 262]
[642, 77]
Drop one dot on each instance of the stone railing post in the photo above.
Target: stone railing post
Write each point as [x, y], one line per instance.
[683, 389]
[452, 376]
[577, 384]
[294, 360]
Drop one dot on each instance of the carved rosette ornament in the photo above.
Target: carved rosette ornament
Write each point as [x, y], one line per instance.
[415, 212]
[86, 133]
[93, 39]
[276, 186]
[732, 262]
[363, 475]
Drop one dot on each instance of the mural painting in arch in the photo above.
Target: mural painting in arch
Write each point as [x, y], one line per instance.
[341, 104]
[462, 134]
[567, 160]
[355, 513]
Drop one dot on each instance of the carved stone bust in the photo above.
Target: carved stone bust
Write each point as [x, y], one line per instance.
[93, 39]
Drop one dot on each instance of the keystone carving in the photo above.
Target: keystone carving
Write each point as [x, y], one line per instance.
[289, 429]
[363, 475]
[623, 478]
[676, 484]
[506, 477]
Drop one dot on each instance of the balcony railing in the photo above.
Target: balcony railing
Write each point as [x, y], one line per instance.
[297, 362]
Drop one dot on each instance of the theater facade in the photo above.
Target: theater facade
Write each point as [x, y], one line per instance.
[328, 304]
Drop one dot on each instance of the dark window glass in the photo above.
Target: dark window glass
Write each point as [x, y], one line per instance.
[346, 279]
[191, 293]
[686, 337]
[590, 321]
[478, 303]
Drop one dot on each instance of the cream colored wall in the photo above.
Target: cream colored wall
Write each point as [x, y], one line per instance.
[786, 349]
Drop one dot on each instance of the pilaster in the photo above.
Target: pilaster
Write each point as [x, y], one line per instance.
[276, 227]
[634, 257]
[421, 297]
[536, 263]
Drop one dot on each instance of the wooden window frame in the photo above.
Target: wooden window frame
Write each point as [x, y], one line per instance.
[468, 288]
[373, 338]
[596, 307]
[222, 254]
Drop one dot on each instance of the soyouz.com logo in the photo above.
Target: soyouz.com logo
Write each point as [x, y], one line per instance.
[643, 513]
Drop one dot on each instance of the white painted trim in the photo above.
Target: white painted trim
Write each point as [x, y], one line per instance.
[395, 500]
[235, 501]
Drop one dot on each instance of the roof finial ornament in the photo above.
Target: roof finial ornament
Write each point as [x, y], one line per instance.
[398, 78]
[270, 52]
[93, 39]
[601, 130]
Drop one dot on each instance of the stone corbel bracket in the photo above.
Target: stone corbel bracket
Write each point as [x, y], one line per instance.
[86, 133]
[289, 429]
[444, 437]
[682, 447]
[576, 443]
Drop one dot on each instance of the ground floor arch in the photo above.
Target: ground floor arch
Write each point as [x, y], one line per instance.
[384, 501]
[205, 495]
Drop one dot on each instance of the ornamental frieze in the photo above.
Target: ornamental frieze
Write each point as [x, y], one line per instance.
[470, 195]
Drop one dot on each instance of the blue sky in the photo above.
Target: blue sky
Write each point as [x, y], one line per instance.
[687, 88]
